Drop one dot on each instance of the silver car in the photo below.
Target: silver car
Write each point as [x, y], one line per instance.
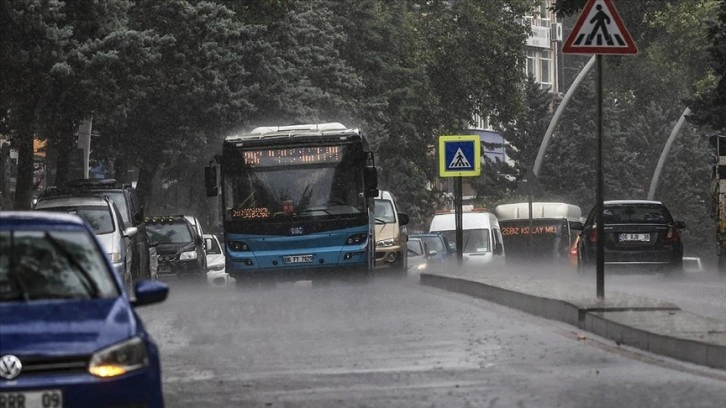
[102, 215]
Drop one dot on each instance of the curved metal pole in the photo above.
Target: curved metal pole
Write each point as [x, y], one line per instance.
[664, 153]
[556, 118]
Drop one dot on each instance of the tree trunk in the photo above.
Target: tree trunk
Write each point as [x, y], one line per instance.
[65, 148]
[24, 184]
[144, 186]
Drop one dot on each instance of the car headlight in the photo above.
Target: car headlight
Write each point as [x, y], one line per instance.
[188, 256]
[115, 257]
[385, 243]
[119, 359]
[421, 267]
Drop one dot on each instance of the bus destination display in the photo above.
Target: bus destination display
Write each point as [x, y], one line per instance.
[298, 155]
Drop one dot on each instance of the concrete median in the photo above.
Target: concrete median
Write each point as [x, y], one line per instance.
[651, 325]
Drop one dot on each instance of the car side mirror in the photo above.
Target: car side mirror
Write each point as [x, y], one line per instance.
[207, 244]
[148, 292]
[210, 180]
[433, 253]
[198, 240]
[576, 225]
[679, 224]
[403, 219]
[371, 181]
[130, 231]
[498, 248]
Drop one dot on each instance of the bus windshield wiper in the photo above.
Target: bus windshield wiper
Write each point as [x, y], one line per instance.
[90, 285]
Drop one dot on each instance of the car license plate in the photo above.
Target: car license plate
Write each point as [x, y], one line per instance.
[297, 259]
[32, 399]
[634, 237]
[164, 268]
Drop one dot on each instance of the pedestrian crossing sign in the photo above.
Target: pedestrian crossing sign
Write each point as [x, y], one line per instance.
[459, 155]
[599, 30]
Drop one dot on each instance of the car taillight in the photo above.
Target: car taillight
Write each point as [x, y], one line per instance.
[593, 234]
[672, 235]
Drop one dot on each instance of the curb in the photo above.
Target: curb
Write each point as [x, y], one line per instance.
[590, 319]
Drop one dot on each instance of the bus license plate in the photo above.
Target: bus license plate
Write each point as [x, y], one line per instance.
[634, 237]
[297, 259]
[32, 399]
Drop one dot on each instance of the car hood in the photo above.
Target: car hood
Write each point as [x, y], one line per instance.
[64, 327]
[386, 231]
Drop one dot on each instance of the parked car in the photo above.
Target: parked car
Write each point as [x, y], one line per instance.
[102, 215]
[180, 250]
[418, 254]
[124, 196]
[95, 352]
[637, 233]
[216, 273]
[437, 243]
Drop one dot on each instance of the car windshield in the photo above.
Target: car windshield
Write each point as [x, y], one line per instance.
[415, 247]
[37, 265]
[99, 218]
[175, 233]
[384, 211]
[475, 240]
[434, 244]
[636, 214]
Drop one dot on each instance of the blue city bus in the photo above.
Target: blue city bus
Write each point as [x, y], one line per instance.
[297, 202]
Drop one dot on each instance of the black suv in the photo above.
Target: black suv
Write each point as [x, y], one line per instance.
[124, 196]
[179, 248]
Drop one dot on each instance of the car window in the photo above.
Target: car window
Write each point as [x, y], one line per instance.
[176, 233]
[97, 217]
[475, 240]
[384, 211]
[636, 214]
[415, 247]
[435, 244]
[119, 198]
[214, 248]
[37, 265]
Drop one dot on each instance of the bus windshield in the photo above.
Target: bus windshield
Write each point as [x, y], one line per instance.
[294, 183]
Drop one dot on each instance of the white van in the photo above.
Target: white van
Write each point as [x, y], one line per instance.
[483, 244]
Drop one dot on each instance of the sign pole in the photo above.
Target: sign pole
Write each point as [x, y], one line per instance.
[459, 215]
[600, 245]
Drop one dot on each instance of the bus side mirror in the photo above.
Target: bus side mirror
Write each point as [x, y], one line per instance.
[371, 181]
[210, 180]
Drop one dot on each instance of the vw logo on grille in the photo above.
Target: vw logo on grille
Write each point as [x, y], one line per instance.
[10, 367]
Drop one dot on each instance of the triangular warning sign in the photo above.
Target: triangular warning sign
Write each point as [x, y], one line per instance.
[599, 30]
[459, 161]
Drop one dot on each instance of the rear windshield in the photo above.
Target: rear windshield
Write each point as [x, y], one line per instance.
[177, 233]
[636, 214]
[98, 217]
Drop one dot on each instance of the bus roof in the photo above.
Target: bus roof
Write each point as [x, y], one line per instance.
[519, 211]
[311, 129]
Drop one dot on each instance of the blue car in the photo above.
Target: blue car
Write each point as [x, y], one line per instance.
[69, 335]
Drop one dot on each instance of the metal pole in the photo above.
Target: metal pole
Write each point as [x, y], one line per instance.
[664, 153]
[531, 227]
[556, 118]
[458, 215]
[600, 245]
[84, 142]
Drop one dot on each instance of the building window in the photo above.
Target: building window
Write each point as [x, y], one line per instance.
[544, 17]
[531, 64]
[546, 69]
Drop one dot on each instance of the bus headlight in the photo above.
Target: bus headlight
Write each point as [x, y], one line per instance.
[188, 256]
[356, 239]
[238, 246]
[385, 243]
[119, 359]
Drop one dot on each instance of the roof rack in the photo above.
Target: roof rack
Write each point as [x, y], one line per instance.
[164, 219]
[96, 183]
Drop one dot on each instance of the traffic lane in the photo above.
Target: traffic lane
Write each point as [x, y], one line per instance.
[391, 343]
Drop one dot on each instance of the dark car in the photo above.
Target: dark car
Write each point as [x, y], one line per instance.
[438, 243]
[179, 248]
[69, 334]
[637, 233]
[127, 202]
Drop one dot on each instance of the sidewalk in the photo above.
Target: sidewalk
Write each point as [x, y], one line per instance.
[652, 325]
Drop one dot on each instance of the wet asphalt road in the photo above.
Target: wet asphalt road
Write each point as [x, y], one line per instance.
[394, 343]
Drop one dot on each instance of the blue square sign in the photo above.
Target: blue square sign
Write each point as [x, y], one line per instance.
[459, 156]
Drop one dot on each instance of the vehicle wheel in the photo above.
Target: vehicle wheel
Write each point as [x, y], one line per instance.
[674, 269]
[400, 266]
